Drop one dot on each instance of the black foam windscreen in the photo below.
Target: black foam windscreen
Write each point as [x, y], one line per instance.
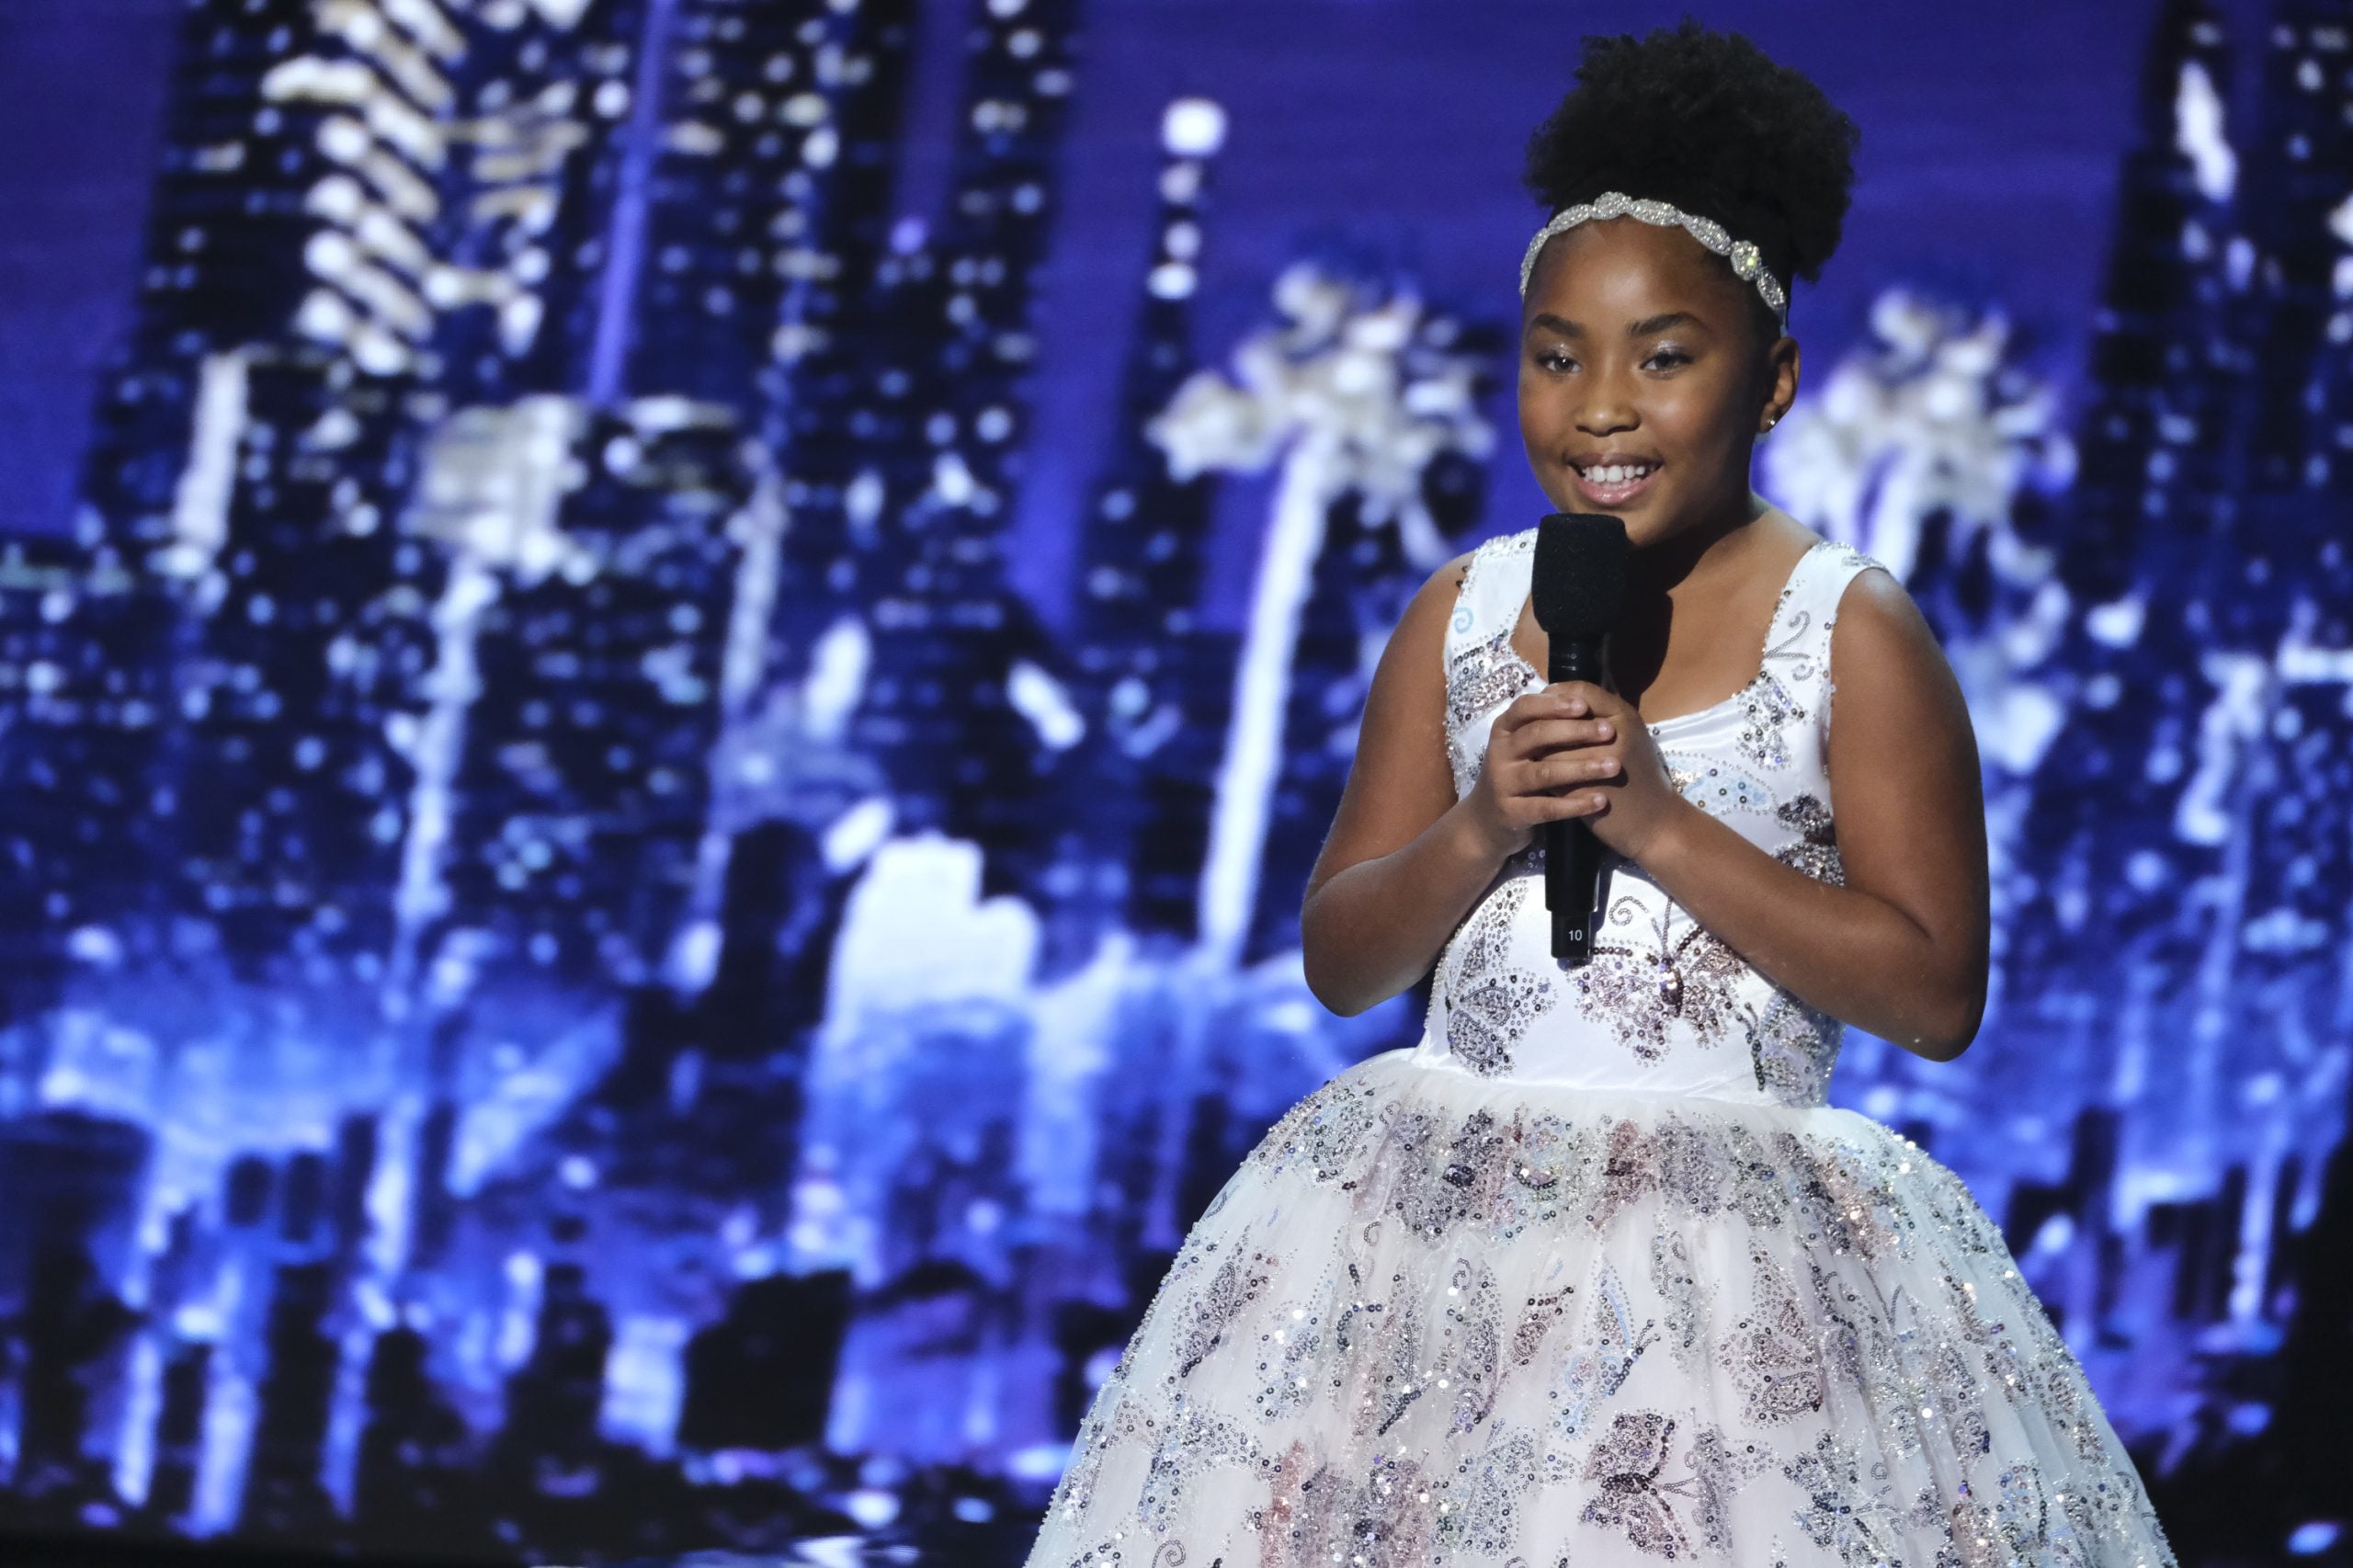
[1577, 586]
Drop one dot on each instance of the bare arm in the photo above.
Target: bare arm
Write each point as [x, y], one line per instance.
[1406, 860]
[1901, 949]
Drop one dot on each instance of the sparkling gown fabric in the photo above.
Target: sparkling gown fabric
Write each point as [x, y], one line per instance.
[1591, 1274]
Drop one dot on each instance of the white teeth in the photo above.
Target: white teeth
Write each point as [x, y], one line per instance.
[1616, 474]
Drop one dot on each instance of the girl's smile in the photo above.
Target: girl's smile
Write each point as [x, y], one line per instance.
[1609, 483]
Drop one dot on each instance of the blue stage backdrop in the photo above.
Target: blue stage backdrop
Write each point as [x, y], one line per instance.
[667, 669]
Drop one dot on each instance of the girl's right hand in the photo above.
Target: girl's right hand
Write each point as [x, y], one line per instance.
[1533, 771]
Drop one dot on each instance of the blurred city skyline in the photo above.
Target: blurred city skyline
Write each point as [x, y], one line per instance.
[594, 962]
[1987, 167]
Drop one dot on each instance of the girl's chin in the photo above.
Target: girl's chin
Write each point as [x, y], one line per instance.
[1658, 517]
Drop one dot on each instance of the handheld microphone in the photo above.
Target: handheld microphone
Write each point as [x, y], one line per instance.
[1577, 588]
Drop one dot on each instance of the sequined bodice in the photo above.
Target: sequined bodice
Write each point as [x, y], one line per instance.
[1663, 1004]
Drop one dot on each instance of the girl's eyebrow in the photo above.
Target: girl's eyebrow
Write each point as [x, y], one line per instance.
[1642, 328]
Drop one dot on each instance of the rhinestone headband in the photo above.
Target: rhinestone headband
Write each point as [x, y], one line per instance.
[1747, 261]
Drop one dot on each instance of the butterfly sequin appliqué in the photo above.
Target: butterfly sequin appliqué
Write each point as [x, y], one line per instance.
[1646, 977]
[1610, 1343]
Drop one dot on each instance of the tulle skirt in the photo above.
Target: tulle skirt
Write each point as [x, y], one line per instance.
[1438, 1319]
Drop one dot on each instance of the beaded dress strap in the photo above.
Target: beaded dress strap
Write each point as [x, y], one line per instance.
[1488, 600]
[1482, 668]
[1811, 608]
[1842, 565]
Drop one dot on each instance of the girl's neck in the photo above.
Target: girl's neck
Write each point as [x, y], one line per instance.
[1702, 560]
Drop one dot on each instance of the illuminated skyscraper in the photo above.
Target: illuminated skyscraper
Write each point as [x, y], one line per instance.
[1152, 683]
[1372, 405]
[2157, 460]
[2268, 614]
[293, 799]
[763, 212]
[963, 705]
[2152, 444]
[85, 662]
[1364, 578]
[530, 273]
[2186, 924]
[341, 178]
[578, 693]
[2293, 205]
[354, 220]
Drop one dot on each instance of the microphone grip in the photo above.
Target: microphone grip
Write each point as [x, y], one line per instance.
[1571, 853]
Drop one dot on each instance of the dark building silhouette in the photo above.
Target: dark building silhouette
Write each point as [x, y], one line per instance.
[74, 1183]
[549, 1467]
[433, 1209]
[71, 1329]
[286, 1496]
[300, 1215]
[2316, 1354]
[180, 1434]
[762, 1376]
[414, 1488]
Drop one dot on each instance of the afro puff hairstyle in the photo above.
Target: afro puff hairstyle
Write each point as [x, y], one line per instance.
[1704, 121]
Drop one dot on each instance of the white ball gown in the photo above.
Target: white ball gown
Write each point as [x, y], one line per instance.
[1592, 1274]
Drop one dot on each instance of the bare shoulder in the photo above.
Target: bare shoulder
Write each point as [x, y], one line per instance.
[1416, 642]
[1434, 600]
[1877, 623]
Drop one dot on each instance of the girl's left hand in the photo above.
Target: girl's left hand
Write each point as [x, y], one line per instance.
[1641, 801]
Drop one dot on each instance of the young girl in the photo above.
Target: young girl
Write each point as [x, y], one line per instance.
[1593, 1273]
